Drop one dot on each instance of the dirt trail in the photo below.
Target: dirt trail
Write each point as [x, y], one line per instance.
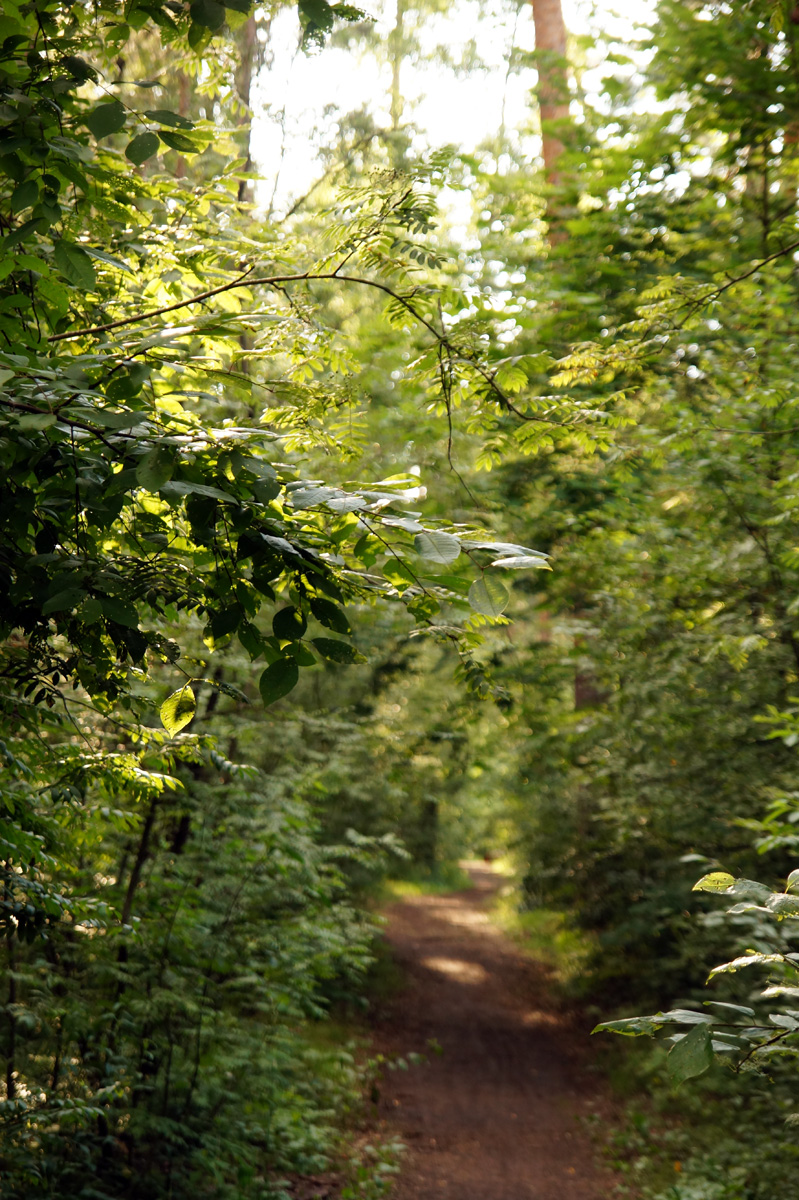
[497, 1115]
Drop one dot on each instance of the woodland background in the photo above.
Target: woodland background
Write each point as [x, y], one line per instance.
[279, 485]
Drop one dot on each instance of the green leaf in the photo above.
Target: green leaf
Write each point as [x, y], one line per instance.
[437, 546]
[452, 583]
[120, 611]
[55, 294]
[155, 469]
[423, 607]
[301, 652]
[177, 710]
[74, 264]
[289, 624]
[179, 142]
[106, 119]
[489, 596]
[737, 1010]
[521, 562]
[506, 549]
[691, 1055]
[399, 573]
[278, 680]
[35, 225]
[782, 905]
[36, 421]
[629, 1026]
[751, 959]
[108, 258]
[207, 13]
[183, 487]
[142, 147]
[199, 37]
[330, 615]
[64, 601]
[339, 652]
[91, 610]
[24, 196]
[108, 419]
[716, 881]
[684, 1016]
[224, 622]
[251, 639]
[165, 117]
[317, 19]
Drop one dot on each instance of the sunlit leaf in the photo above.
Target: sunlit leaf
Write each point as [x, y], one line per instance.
[437, 546]
[489, 596]
[178, 710]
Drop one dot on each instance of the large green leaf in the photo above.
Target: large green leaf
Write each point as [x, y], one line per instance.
[178, 710]
[155, 469]
[64, 601]
[74, 264]
[336, 651]
[107, 119]
[251, 639]
[488, 595]
[278, 680]
[183, 487]
[143, 147]
[330, 615]
[165, 117]
[122, 612]
[437, 546]
[179, 141]
[691, 1055]
[288, 624]
[24, 196]
[207, 13]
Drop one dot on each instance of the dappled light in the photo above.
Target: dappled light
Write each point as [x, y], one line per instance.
[456, 968]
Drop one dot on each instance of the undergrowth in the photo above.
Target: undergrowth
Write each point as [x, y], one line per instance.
[724, 1138]
[421, 881]
[545, 935]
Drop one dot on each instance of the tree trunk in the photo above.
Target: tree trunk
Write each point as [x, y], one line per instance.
[396, 48]
[248, 45]
[553, 86]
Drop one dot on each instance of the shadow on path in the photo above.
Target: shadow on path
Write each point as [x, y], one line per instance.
[495, 1116]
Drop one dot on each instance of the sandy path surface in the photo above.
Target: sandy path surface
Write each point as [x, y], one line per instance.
[497, 1115]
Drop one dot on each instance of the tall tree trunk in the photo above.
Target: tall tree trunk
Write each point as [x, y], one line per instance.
[248, 66]
[396, 48]
[553, 85]
[248, 46]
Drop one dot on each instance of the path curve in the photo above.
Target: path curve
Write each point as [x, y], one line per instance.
[499, 1114]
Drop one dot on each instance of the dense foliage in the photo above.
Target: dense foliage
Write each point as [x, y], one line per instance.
[175, 923]
[231, 615]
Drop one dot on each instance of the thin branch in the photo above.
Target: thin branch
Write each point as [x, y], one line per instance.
[244, 281]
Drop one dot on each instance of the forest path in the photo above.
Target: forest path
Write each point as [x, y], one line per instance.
[495, 1116]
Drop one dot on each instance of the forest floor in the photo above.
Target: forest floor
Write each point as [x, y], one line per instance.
[504, 1109]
